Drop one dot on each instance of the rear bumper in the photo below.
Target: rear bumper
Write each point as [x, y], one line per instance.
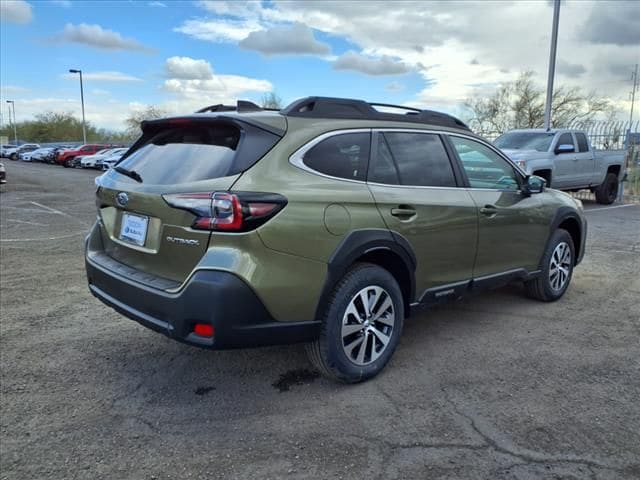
[217, 298]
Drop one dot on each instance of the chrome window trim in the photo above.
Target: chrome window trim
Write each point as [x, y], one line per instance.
[297, 158]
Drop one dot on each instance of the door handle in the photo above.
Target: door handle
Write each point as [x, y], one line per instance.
[489, 210]
[403, 211]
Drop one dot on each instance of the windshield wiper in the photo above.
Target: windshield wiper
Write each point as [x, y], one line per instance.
[129, 173]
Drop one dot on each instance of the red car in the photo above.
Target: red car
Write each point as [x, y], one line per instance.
[65, 157]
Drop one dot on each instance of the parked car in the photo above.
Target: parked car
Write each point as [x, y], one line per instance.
[327, 222]
[76, 162]
[6, 149]
[3, 174]
[57, 150]
[65, 157]
[566, 160]
[25, 148]
[91, 161]
[40, 154]
[107, 162]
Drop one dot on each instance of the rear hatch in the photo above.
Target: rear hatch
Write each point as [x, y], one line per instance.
[149, 202]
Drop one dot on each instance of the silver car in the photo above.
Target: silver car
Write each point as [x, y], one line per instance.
[112, 159]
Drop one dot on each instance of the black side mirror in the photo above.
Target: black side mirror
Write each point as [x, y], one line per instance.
[533, 184]
[565, 148]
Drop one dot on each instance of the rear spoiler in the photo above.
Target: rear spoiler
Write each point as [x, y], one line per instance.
[243, 106]
[147, 125]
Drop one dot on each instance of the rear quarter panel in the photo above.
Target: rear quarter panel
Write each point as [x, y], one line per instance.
[301, 229]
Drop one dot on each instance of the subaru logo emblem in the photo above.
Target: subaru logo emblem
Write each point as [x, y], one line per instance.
[122, 199]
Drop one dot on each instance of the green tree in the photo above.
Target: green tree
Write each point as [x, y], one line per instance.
[60, 127]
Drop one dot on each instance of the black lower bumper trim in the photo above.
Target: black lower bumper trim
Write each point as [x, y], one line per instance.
[217, 298]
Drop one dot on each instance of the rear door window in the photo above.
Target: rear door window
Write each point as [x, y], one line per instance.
[412, 159]
[583, 145]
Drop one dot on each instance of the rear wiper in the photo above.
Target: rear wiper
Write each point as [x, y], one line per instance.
[129, 173]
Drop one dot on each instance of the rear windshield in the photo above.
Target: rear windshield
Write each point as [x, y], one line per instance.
[539, 141]
[185, 154]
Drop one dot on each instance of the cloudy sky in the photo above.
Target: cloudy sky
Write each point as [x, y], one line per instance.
[182, 55]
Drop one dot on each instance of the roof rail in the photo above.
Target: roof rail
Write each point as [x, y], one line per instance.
[329, 107]
[243, 106]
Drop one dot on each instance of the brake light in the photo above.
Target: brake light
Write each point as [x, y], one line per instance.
[229, 212]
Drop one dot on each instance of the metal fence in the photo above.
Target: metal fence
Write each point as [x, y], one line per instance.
[615, 135]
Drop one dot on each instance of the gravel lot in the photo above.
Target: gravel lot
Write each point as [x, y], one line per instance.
[493, 386]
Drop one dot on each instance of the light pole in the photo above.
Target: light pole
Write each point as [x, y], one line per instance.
[552, 64]
[84, 126]
[15, 130]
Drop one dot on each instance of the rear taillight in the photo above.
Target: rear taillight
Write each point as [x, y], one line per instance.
[229, 212]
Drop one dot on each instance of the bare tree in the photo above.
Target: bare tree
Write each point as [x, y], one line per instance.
[271, 100]
[520, 104]
[135, 119]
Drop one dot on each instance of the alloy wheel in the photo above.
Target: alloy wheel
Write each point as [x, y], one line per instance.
[560, 266]
[367, 325]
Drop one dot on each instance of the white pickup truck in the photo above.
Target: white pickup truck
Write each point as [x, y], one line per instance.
[566, 160]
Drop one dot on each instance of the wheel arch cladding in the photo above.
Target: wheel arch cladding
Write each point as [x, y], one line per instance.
[572, 226]
[567, 219]
[386, 249]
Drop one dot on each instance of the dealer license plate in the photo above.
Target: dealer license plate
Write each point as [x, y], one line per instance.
[134, 228]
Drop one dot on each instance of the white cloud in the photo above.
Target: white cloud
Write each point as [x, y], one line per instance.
[15, 11]
[384, 65]
[157, 4]
[98, 37]
[12, 89]
[235, 8]
[218, 30]
[286, 40]
[100, 92]
[195, 85]
[188, 68]
[62, 3]
[116, 77]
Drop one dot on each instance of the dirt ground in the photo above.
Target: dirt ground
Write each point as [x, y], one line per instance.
[494, 386]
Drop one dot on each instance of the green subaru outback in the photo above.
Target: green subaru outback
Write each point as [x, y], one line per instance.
[327, 222]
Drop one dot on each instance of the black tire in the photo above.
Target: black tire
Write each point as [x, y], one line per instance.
[328, 354]
[68, 163]
[607, 192]
[542, 288]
